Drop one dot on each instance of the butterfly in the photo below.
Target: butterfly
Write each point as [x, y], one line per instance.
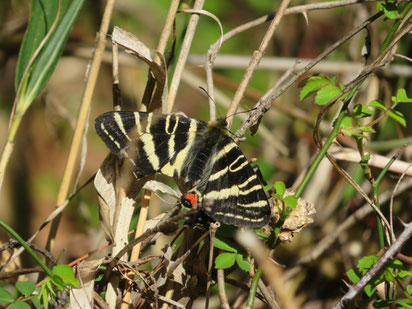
[219, 178]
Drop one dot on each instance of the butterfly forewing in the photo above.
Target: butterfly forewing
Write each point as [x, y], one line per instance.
[155, 143]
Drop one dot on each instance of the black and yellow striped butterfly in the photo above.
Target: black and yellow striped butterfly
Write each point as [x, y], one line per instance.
[203, 155]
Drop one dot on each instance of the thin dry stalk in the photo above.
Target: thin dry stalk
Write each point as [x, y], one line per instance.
[181, 61]
[293, 10]
[213, 228]
[221, 286]
[144, 210]
[254, 62]
[82, 117]
[395, 190]
[164, 37]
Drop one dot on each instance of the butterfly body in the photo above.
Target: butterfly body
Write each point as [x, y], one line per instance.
[202, 154]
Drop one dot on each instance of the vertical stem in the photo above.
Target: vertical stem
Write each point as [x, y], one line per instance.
[82, 118]
[9, 147]
[180, 65]
[253, 288]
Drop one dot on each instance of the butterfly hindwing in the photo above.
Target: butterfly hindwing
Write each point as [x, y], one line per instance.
[234, 194]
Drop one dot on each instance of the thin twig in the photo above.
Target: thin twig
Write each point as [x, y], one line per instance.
[181, 61]
[221, 288]
[213, 228]
[268, 296]
[254, 62]
[293, 10]
[83, 113]
[395, 190]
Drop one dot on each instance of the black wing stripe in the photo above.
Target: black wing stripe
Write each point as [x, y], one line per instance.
[108, 130]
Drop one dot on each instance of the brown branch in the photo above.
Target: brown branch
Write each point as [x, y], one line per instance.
[372, 272]
[221, 287]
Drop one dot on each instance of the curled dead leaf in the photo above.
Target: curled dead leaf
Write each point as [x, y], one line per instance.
[297, 219]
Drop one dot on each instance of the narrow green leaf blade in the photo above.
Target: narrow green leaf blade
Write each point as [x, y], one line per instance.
[378, 104]
[224, 245]
[398, 117]
[41, 19]
[47, 60]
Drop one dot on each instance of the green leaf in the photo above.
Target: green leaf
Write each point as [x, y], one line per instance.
[261, 235]
[291, 201]
[66, 274]
[25, 287]
[326, 94]
[390, 10]
[389, 275]
[352, 275]
[369, 290]
[36, 301]
[243, 263]
[401, 96]
[99, 278]
[346, 122]
[5, 296]
[382, 303]
[225, 260]
[403, 273]
[357, 131]
[398, 117]
[312, 85]
[366, 263]
[379, 105]
[20, 305]
[403, 304]
[48, 57]
[42, 16]
[45, 297]
[361, 111]
[224, 245]
[409, 289]
[280, 188]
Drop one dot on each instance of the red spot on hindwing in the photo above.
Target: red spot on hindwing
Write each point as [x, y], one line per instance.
[190, 200]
